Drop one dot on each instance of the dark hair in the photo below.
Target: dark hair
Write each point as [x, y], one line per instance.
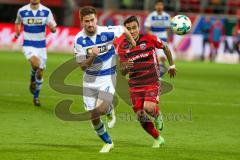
[86, 11]
[158, 1]
[131, 19]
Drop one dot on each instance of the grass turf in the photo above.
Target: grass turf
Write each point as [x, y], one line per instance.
[201, 117]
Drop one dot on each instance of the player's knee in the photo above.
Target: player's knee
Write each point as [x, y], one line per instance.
[39, 74]
[34, 62]
[149, 108]
[141, 115]
[34, 66]
[96, 121]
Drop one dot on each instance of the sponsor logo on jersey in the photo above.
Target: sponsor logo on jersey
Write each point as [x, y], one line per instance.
[34, 21]
[102, 49]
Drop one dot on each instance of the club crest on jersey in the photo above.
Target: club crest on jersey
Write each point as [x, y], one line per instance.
[26, 14]
[41, 13]
[143, 46]
[103, 38]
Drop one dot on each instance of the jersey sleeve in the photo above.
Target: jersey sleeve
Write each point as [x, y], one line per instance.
[157, 42]
[18, 18]
[147, 22]
[80, 54]
[117, 30]
[50, 19]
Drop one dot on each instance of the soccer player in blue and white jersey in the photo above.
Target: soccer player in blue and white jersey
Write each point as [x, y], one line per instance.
[158, 24]
[35, 17]
[95, 54]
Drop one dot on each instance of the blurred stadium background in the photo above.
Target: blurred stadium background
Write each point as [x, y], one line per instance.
[113, 12]
[201, 113]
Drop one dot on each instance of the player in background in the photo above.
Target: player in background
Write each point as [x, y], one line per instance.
[236, 38]
[141, 65]
[35, 17]
[216, 36]
[95, 54]
[158, 23]
[205, 29]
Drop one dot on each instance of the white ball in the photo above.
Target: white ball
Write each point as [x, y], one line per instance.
[181, 24]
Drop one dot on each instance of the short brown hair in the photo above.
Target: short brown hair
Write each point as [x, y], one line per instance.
[86, 11]
[159, 1]
[131, 19]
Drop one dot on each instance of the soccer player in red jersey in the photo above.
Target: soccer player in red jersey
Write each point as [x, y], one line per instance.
[141, 64]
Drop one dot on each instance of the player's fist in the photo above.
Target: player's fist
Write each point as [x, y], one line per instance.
[95, 51]
[16, 36]
[172, 71]
[129, 64]
[133, 43]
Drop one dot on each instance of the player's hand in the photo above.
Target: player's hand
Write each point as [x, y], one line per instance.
[16, 35]
[133, 43]
[95, 51]
[52, 27]
[129, 64]
[172, 71]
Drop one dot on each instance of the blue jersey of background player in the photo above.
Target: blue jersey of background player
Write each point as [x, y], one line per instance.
[158, 24]
[35, 17]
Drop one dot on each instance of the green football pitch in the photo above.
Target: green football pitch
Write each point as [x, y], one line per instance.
[202, 117]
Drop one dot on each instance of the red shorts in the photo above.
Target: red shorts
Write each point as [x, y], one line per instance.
[216, 44]
[148, 93]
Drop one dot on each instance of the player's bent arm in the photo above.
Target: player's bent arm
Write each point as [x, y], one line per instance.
[17, 29]
[172, 68]
[148, 30]
[168, 53]
[129, 37]
[168, 34]
[87, 62]
[52, 27]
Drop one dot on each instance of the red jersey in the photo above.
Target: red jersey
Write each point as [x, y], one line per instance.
[146, 67]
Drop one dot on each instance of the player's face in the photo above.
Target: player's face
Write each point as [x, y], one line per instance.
[89, 23]
[159, 7]
[133, 28]
[34, 2]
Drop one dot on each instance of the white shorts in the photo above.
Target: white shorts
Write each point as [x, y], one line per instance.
[160, 53]
[41, 53]
[98, 87]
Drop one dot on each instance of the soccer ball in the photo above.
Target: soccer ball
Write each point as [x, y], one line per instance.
[181, 24]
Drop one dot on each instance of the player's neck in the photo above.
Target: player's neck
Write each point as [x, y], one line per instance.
[159, 12]
[34, 6]
[89, 33]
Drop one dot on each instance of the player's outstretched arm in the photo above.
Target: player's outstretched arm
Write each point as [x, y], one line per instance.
[91, 57]
[129, 37]
[172, 68]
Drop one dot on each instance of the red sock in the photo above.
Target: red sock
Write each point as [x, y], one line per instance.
[149, 128]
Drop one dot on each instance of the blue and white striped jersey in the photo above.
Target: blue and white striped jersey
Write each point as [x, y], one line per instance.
[105, 62]
[34, 23]
[158, 24]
